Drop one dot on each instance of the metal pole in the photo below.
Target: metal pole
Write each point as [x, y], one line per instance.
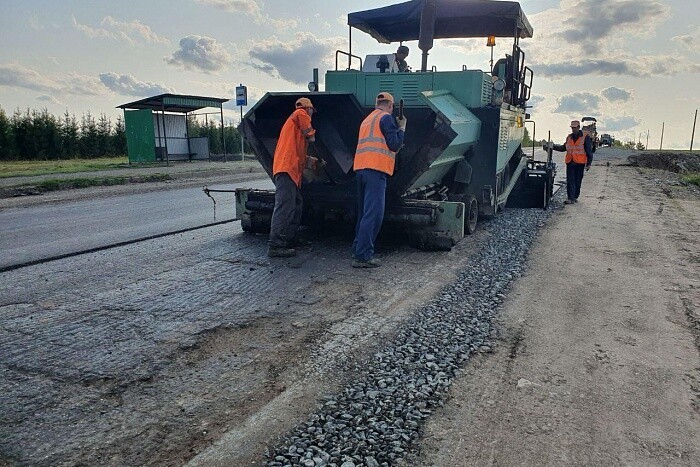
[165, 137]
[692, 137]
[187, 134]
[127, 146]
[350, 47]
[223, 136]
[160, 143]
[661, 145]
[206, 124]
[241, 134]
[647, 146]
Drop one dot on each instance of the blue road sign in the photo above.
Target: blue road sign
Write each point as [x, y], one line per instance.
[241, 95]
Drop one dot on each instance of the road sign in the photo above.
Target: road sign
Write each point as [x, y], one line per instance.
[241, 95]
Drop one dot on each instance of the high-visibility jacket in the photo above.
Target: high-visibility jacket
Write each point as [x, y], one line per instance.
[372, 151]
[290, 152]
[576, 150]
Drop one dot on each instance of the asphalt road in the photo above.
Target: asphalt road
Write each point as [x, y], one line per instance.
[40, 232]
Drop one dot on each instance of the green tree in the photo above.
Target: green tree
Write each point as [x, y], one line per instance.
[70, 136]
[119, 138]
[88, 136]
[47, 135]
[7, 143]
[21, 124]
[103, 136]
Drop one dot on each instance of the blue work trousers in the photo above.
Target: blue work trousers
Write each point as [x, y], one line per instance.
[574, 178]
[371, 193]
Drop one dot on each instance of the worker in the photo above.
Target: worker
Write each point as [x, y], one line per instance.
[579, 155]
[288, 164]
[380, 137]
[400, 59]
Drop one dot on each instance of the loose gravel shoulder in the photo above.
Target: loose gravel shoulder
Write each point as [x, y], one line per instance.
[377, 418]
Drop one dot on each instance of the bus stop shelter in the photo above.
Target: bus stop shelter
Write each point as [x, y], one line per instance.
[157, 128]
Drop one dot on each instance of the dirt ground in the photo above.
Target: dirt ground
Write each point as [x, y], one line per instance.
[599, 362]
[598, 370]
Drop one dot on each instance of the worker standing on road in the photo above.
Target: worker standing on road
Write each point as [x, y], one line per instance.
[579, 155]
[380, 138]
[287, 167]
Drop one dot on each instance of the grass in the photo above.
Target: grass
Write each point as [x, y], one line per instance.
[693, 179]
[29, 168]
[63, 184]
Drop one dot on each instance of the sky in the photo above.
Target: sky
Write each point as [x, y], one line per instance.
[632, 64]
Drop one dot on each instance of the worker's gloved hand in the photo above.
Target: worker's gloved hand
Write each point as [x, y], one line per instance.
[401, 122]
[311, 163]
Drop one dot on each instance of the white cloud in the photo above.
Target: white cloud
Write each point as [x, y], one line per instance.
[19, 76]
[590, 23]
[49, 99]
[620, 123]
[130, 86]
[132, 32]
[200, 53]
[293, 60]
[616, 94]
[34, 23]
[640, 67]
[589, 37]
[690, 41]
[578, 103]
[250, 7]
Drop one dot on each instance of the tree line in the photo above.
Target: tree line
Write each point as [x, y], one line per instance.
[212, 130]
[40, 135]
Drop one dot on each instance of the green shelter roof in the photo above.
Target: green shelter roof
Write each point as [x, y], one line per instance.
[175, 103]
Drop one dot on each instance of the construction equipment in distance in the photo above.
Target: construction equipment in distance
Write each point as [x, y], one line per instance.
[462, 155]
[588, 126]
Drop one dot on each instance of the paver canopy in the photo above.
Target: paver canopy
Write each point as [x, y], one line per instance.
[453, 19]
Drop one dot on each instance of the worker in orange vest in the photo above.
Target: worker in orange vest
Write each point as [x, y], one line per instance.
[381, 136]
[579, 155]
[287, 167]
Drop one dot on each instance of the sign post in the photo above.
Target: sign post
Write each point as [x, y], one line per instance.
[241, 100]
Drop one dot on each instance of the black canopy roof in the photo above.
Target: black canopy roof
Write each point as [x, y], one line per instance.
[175, 103]
[453, 19]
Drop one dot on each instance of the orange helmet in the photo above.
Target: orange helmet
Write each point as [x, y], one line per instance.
[385, 96]
[304, 103]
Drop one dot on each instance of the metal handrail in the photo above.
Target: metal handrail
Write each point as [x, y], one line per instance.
[348, 55]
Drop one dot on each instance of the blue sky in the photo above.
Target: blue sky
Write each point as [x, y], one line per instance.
[632, 64]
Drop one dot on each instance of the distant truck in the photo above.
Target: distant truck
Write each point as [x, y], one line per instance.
[588, 127]
[606, 140]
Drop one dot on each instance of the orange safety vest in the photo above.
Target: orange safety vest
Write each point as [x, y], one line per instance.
[372, 151]
[290, 152]
[575, 150]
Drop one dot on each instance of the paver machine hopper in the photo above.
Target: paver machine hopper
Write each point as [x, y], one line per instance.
[461, 157]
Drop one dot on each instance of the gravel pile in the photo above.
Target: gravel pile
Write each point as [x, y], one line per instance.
[376, 419]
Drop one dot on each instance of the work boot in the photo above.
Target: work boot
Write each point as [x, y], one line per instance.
[280, 252]
[569, 201]
[370, 263]
[576, 201]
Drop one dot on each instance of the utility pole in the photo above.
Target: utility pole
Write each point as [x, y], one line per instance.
[692, 137]
[661, 145]
[647, 146]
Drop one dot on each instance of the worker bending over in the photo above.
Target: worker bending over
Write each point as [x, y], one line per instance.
[287, 167]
